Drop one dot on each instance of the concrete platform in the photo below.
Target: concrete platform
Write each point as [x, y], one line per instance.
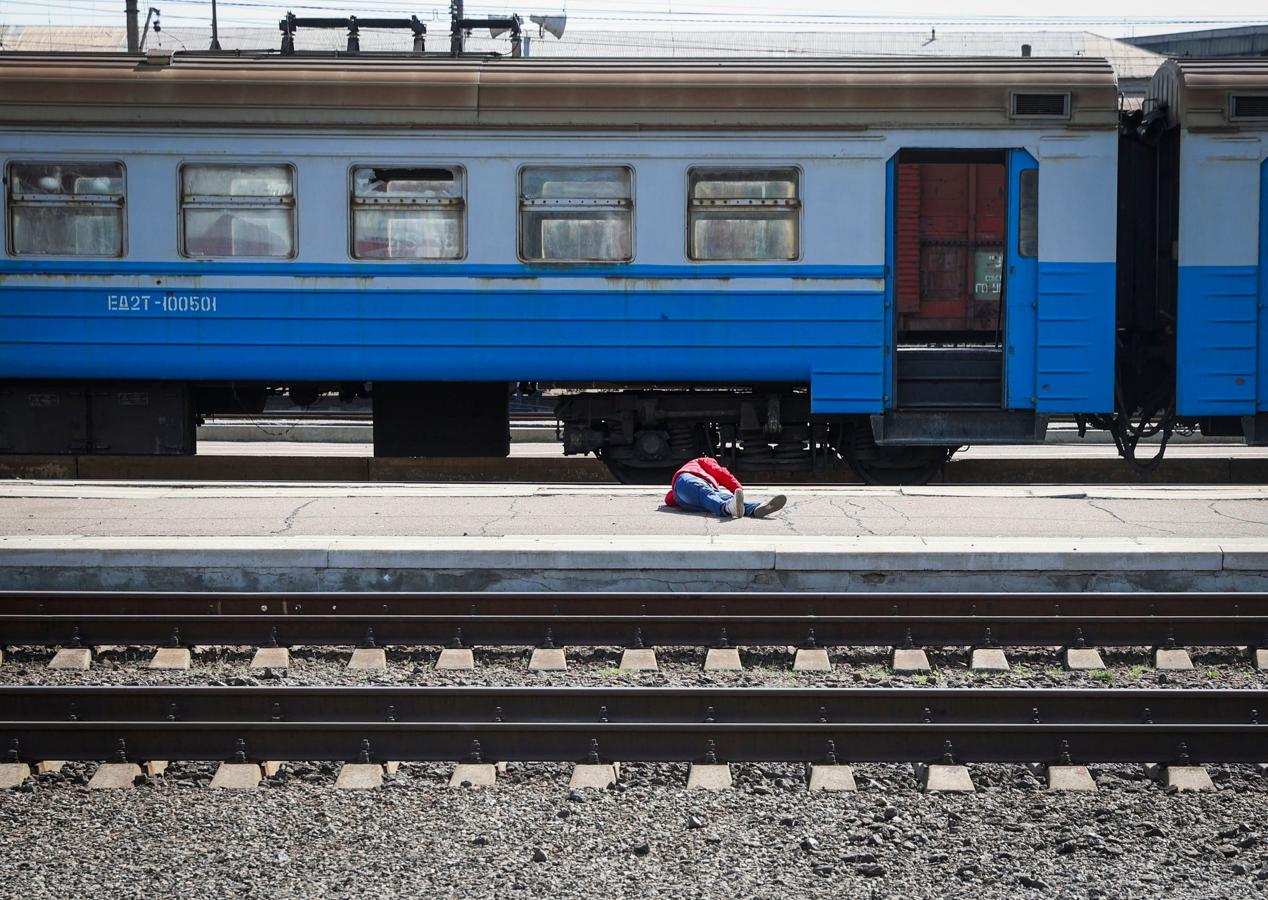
[584, 562]
[308, 430]
[83, 535]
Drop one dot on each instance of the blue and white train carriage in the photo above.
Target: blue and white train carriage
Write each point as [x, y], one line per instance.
[780, 263]
[1208, 123]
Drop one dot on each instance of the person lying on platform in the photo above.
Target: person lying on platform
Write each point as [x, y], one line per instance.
[705, 484]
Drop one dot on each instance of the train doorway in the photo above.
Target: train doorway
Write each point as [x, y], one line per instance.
[950, 221]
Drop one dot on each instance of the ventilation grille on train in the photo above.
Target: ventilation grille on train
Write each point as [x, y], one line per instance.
[1249, 106]
[1046, 106]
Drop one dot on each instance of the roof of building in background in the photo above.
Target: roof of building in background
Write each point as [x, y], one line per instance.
[1130, 63]
[1249, 41]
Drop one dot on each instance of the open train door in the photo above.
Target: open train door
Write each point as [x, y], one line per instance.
[1021, 281]
[963, 248]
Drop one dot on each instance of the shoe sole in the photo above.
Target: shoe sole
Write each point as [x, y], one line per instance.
[739, 503]
[773, 505]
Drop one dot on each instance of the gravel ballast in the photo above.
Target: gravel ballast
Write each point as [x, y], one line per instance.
[298, 836]
[770, 667]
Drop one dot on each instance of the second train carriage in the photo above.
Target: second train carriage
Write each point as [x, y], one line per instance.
[1196, 283]
[774, 262]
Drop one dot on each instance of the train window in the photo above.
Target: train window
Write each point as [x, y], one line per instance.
[743, 214]
[576, 214]
[237, 210]
[407, 213]
[66, 209]
[1028, 230]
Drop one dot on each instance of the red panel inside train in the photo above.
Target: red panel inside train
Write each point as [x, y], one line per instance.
[951, 220]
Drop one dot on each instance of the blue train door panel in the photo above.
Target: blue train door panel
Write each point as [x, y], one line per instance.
[1021, 281]
[975, 320]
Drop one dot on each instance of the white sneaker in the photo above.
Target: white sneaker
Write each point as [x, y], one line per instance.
[773, 505]
[737, 504]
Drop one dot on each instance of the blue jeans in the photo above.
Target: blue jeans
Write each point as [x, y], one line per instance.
[692, 492]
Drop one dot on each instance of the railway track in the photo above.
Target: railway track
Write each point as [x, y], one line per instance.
[379, 724]
[638, 619]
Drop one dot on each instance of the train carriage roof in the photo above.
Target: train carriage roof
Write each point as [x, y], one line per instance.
[400, 91]
[1222, 94]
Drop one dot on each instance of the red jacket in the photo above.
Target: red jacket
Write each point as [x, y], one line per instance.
[710, 470]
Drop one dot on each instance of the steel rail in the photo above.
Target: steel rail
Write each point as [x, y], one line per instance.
[634, 619]
[631, 603]
[616, 704]
[640, 724]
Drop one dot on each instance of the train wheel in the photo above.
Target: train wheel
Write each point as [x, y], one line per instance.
[893, 465]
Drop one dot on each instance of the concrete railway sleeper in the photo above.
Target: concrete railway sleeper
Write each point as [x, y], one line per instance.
[375, 729]
[986, 623]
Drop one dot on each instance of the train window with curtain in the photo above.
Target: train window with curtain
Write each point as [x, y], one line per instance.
[66, 209]
[743, 214]
[237, 210]
[1028, 229]
[407, 213]
[576, 214]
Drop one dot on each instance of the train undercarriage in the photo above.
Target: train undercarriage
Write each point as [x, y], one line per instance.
[642, 434]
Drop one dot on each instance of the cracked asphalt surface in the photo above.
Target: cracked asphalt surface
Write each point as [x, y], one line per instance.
[99, 510]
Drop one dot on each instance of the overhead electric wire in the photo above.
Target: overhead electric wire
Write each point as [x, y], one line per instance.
[672, 45]
[695, 39]
[758, 16]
